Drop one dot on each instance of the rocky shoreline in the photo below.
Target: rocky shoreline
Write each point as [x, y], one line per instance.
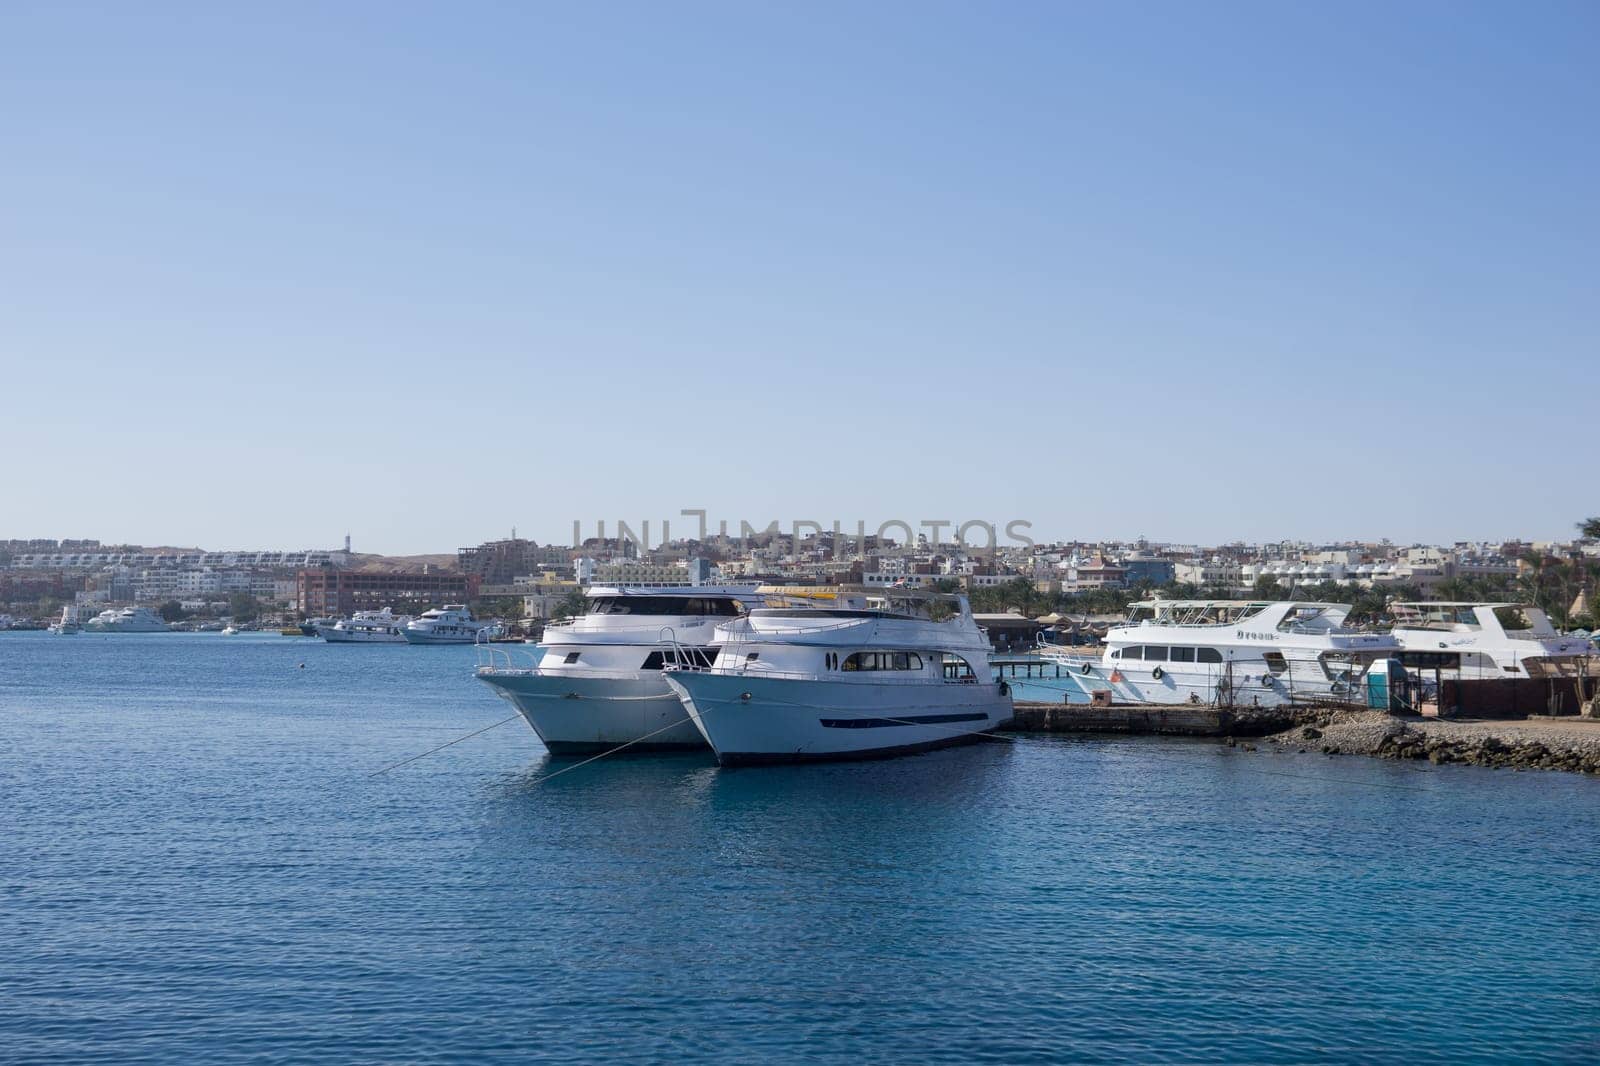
[1533, 744]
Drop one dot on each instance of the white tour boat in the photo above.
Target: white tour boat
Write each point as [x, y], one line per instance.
[68, 625]
[127, 620]
[597, 681]
[366, 627]
[451, 624]
[1475, 641]
[1228, 653]
[853, 680]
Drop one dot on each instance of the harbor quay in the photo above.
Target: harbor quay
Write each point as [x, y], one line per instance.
[1570, 743]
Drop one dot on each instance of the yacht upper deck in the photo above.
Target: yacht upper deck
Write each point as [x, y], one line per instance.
[1288, 616]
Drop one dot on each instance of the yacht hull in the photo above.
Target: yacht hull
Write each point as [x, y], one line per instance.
[1243, 688]
[340, 636]
[413, 636]
[590, 715]
[752, 720]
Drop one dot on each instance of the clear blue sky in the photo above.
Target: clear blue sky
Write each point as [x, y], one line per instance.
[421, 272]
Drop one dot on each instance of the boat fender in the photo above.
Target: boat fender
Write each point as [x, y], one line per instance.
[1005, 689]
[1266, 680]
[1084, 669]
[1158, 673]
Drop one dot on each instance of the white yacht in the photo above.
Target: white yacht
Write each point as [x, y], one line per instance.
[450, 624]
[68, 625]
[1228, 652]
[127, 620]
[596, 682]
[230, 630]
[1475, 641]
[864, 678]
[367, 627]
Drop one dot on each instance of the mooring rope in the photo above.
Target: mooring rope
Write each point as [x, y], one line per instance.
[603, 754]
[445, 745]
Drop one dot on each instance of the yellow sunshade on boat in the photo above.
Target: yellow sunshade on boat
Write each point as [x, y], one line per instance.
[800, 592]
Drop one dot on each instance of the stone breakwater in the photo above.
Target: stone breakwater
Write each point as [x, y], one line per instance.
[1534, 744]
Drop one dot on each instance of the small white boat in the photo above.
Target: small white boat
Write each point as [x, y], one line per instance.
[864, 678]
[229, 631]
[68, 625]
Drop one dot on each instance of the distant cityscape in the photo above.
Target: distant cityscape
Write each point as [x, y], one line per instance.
[518, 577]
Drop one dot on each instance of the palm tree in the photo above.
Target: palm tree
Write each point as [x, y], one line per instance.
[1590, 528]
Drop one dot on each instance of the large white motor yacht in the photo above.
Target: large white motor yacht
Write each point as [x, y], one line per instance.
[367, 627]
[1229, 652]
[864, 678]
[127, 620]
[451, 624]
[1476, 641]
[597, 683]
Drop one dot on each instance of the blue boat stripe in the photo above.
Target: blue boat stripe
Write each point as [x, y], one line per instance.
[917, 719]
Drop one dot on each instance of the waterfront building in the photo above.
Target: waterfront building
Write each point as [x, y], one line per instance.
[499, 562]
[1144, 565]
[634, 574]
[339, 593]
[140, 558]
[1214, 572]
[1094, 572]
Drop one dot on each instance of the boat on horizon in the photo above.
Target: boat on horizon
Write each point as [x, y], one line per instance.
[451, 624]
[127, 620]
[67, 625]
[367, 627]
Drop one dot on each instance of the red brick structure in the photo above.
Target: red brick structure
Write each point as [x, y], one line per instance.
[322, 593]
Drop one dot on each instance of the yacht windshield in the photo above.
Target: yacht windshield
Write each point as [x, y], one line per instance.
[665, 605]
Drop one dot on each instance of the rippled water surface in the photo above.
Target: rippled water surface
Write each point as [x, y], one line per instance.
[195, 865]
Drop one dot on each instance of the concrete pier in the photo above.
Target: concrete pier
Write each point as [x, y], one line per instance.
[1178, 720]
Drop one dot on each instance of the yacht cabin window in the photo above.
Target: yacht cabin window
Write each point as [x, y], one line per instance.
[883, 660]
[956, 668]
[1276, 662]
[665, 605]
[1511, 619]
[701, 657]
[1207, 655]
[1155, 653]
[1183, 655]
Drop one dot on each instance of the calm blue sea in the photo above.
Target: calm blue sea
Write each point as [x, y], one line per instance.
[196, 866]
